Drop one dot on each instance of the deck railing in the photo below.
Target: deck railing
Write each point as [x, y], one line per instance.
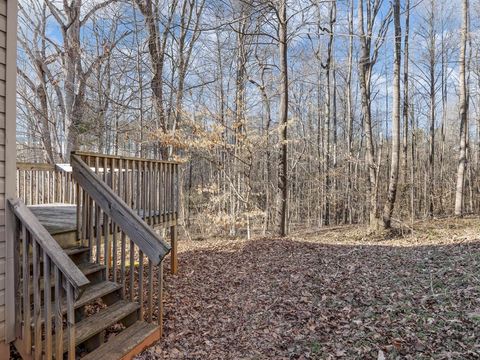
[150, 187]
[36, 315]
[39, 183]
[117, 236]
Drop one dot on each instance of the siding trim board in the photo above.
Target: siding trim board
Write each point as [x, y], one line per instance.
[10, 9]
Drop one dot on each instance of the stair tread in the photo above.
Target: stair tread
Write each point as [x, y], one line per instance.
[75, 250]
[100, 321]
[126, 341]
[70, 251]
[95, 291]
[86, 268]
[91, 293]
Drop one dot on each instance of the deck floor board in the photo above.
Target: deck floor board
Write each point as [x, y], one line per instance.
[56, 218]
[61, 218]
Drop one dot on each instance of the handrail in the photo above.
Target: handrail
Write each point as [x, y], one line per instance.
[113, 206]
[119, 157]
[35, 166]
[48, 244]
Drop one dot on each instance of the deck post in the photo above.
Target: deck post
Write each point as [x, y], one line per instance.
[173, 253]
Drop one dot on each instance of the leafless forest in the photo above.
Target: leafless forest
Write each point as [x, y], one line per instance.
[286, 114]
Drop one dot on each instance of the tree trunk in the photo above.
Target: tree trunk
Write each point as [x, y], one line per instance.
[392, 187]
[462, 160]
[283, 118]
[405, 92]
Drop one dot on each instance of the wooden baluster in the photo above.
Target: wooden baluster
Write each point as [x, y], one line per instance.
[173, 251]
[106, 226]
[160, 297]
[37, 190]
[37, 320]
[24, 190]
[47, 305]
[112, 174]
[27, 335]
[58, 315]
[133, 199]
[66, 187]
[123, 189]
[62, 186]
[132, 269]
[139, 204]
[150, 291]
[161, 193]
[90, 221]
[122, 262]
[155, 191]
[146, 214]
[54, 187]
[145, 193]
[127, 187]
[17, 187]
[39, 187]
[48, 186]
[140, 283]
[174, 190]
[114, 225]
[30, 188]
[70, 322]
[97, 219]
[169, 190]
[151, 212]
[81, 215]
[177, 192]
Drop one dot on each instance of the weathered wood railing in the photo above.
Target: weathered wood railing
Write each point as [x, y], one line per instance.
[39, 183]
[150, 187]
[34, 308]
[113, 231]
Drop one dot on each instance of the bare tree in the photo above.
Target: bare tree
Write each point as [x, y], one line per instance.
[395, 161]
[370, 44]
[462, 160]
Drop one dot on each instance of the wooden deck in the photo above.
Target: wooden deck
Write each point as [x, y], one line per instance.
[56, 218]
[61, 218]
[87, 224]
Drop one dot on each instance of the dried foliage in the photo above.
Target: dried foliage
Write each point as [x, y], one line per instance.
[328, 294]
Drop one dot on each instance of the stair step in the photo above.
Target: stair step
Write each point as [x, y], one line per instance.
[78, 254]
[100, 321]
[91, 293]
[90, 268]
[96, 291]
[76, 250]
[128, 343]
[87, 269]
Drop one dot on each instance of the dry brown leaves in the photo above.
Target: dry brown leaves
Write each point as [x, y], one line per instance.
[327, 294]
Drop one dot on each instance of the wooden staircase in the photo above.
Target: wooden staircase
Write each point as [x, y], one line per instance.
[101, 298]
[109, 309]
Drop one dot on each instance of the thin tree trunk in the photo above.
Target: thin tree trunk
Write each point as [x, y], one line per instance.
[392, 187]
[462, 160]
[283, 118]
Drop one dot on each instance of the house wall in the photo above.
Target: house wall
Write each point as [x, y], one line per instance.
[8, 49]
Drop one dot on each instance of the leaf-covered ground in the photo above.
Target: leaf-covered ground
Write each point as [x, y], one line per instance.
[328, 294]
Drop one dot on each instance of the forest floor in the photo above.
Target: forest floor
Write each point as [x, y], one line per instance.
[335, 293]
